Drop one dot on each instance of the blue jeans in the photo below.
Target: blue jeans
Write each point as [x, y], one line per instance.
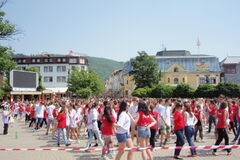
[63, 131]
[211, 119]
[180, 141]
[238, 132]
[91, 134]
[143, 132]
[189, 132]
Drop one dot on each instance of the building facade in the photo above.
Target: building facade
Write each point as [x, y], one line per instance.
[180, 66]
[114, 83]
[231, 69]
[54, 69]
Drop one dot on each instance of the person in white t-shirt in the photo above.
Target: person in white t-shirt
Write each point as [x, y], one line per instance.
[5, 118]
[133, 109]
[122, 132]
[92, 125]
[39, 114]
[50, 109]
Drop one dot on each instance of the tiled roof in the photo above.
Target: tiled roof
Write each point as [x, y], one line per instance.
[231, 60]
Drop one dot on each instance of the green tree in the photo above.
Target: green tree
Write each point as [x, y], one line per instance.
[7, 31]
[162, 91]
[141, 92]
[205, 91]
[84, 83]
[145, 71]
[183, 91]
[228, 89]
[34, 69]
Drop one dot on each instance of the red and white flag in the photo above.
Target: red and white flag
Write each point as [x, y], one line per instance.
[70, 52]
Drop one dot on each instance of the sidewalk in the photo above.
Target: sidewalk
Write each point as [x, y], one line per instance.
[20, 136]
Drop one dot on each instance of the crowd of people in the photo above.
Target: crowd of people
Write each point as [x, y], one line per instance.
[129, 122]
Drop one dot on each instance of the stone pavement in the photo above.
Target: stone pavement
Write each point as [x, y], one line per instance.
[20, 136]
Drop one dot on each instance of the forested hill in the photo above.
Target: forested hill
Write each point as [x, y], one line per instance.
[103, 66]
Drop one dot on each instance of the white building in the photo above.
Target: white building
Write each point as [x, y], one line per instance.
[54, 69]
[114, 83]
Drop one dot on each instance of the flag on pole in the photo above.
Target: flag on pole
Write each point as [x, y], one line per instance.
[70, 52]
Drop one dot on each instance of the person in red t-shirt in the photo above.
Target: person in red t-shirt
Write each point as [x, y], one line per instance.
[212, 112]
[178, 129]
[144, 122]
[21, 110]
[222, 116]
[61, 118]
[108, 121]
[32, 115]
[27, 114]
[231, 118]
[154, 128]
[45, 115]
[198, 126]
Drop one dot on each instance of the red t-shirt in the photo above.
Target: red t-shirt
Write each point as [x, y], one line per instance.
[178, 121]
[197, 114]
[231, 113]
[235, 110]
[107, 127]
[28, 109]
[32, 113]
[155, 116]
[45, 114]
[144, 119]
[220, 117]
[62, 120]
[212, 110]
[193, 106]
[55, 111]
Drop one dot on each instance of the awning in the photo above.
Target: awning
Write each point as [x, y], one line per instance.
[47, 91]
[58, 90]
[25, 93]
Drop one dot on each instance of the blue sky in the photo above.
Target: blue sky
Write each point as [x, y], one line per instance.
[117, 29]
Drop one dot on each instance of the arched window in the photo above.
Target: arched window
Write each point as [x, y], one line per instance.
[168, 80]
[176, 69]
[183, 80]
[175, 80]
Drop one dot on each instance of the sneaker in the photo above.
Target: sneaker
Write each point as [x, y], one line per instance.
[58, 145]
[71, 140]
[68, 144]
[95, 145]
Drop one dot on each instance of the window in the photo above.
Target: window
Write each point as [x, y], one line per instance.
[38, 60]
[82, 61]
[61, 79]
[48, 69]
[59, 60]
[46, 60]
[213, 80]
[231, 70]
[61, 68]
[82, 67]
[50, 60]
[24, 60]
[183, 80]
[73, 60]
[175, 80]
[168, 80]
[127, 81]
[19, 61]
[64, 60]
[202, 80]
[33, 60]
[38, 68]
[176, 69]
[23, 68]
[48, 79]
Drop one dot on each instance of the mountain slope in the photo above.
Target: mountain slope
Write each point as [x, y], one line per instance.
[103, 66]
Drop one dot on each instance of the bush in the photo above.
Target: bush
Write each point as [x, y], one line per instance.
[206, 91]
[162, 91]
[2, 93]
[183, 91]
[228, 89]
[142, 92]
[84, 92]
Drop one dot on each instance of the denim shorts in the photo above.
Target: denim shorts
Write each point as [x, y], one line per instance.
[144, 132]
[39, 120]
[123, 137]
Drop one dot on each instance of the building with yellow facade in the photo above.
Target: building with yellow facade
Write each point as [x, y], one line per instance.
[180, 66]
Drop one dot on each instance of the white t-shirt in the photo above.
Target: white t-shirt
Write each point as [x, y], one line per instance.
[39, 111]
[124, 122]
[79, 112]
[133, 110]
[50, 111]
[190, 121]
[92, 117]
[5, 117]
[168, 115]
[161, 110]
